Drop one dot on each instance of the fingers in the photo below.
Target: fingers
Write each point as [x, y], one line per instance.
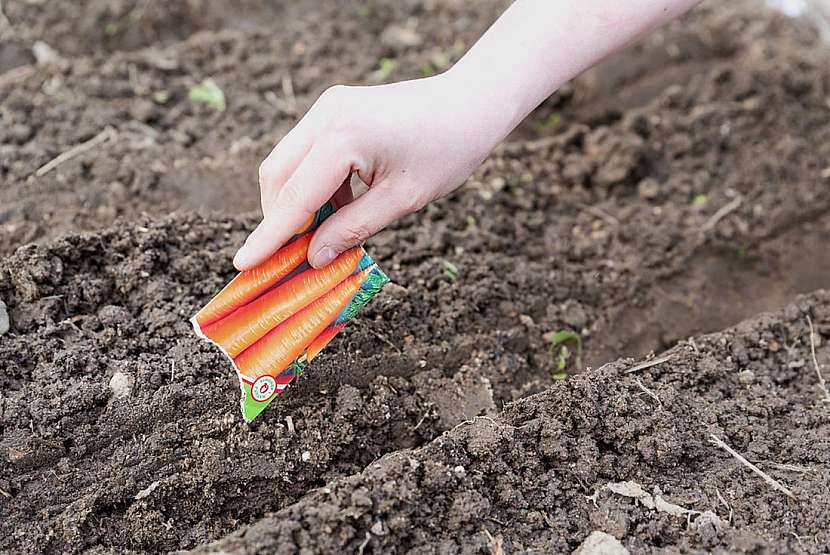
[315, 180]
[281, 163]
[352, 224]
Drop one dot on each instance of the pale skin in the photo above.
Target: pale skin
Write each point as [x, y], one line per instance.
[416, 141]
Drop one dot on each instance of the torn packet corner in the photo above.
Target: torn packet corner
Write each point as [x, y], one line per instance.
[272, 320]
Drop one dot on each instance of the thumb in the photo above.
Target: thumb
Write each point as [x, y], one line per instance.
[352, 224]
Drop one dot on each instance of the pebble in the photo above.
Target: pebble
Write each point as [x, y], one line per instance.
[746, 377]
[600, 543]
[4, 319]
[648, 188]
[121, 385]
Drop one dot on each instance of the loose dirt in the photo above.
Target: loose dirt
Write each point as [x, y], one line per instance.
[679, 189]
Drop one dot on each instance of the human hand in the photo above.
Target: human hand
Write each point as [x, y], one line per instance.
[411, 142]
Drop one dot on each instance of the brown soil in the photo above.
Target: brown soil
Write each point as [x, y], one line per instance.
[683, 190]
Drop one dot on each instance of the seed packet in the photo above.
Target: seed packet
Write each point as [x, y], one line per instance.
[272, 320]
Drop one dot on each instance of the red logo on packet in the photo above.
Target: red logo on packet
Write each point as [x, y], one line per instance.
[264, 388]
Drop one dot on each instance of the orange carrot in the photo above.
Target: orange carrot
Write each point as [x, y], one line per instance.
[248, 285]
[246, 325]
[322, 340]
[274, 352]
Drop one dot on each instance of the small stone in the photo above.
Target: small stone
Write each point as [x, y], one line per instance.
[746, 377]
[459, 471]
[648, 188]
[600, 543]
[45, 55]
[4, 319]
[377, 528]
[121, 385]
[306, 456]
[400, 36]
[526, 320]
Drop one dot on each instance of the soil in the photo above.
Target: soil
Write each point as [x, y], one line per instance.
[681, 188]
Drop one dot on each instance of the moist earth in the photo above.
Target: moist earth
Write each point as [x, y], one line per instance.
[676, 190]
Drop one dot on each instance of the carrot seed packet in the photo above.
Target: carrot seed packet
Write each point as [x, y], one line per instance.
[272, 320]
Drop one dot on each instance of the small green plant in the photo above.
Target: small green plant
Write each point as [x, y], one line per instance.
[208, 92]
[112, 28]
[699, 200]
[544, 124]
[472, 224]
[559, 342]
[386, 67]
[741, 252]
[364, 11]
[427, 70]
[450, 271]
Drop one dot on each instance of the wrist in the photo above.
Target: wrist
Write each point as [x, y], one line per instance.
[486, 110]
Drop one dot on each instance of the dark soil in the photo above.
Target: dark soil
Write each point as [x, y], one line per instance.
[684, 189]
[534, 479]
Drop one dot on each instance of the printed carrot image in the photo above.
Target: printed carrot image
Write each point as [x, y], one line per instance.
[272, 320]
[248, 285]
[246, 325]
[271, 354]
[322, 340]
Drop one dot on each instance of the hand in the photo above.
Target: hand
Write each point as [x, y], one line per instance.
[411, 142]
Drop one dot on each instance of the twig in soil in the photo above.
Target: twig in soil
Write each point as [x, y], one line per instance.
[4, 493]
[288, 92]
[363, 545]
[722, 213]
[102, 137]
[172, 370]
[474, 420]
[693, 344]
[496, 544]
[767, 478]
[290, 422]
[649, 364]
[789, 467]
[725, 504]
[649, 392]
[601, 214]
[381, 337]
[421, 421]
[821, 383]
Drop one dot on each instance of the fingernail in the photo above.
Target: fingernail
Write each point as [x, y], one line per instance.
[323, 256]
[242, 255]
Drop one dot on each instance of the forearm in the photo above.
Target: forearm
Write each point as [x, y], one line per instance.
[538, 45]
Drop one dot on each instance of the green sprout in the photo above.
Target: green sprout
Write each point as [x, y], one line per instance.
[427, 70]
[559, 344]
[699, 200]
[364, 11]
[112, 28]
[544, 124]
[208, 92]
[386, 67]
[450, 271]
